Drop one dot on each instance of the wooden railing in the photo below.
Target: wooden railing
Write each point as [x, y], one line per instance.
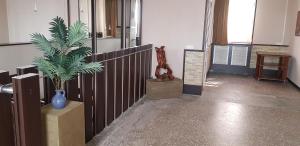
[20, 113]
[122, 83]
[106, 95]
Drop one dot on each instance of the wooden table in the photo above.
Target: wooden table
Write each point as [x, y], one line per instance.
[282, 65]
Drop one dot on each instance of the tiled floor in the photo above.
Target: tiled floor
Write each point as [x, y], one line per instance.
[233, 111]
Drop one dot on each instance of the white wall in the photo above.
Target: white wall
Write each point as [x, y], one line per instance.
[23, 20]
[105, 45]
[16, 56]
[294, 41]
[22, 55]
[3, 22]
[74, 11]
[270, 22]
[175, 24]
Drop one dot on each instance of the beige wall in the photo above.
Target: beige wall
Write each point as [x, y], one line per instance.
[175, 24]
[16, 56]
[4, 38]
[294, 72]
[270, 22]
[23, 20]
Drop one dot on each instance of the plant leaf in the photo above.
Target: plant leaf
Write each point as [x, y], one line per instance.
[59, 32]
[77, 34]
[64, 56]
[43, 44]
[46, 67]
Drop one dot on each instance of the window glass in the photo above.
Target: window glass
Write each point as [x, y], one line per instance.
[241, 20]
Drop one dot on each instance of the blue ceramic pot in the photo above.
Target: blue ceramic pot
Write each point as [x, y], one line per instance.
[59, 99]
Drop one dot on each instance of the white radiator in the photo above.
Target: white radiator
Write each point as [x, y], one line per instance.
[239, 55]
[220, 55]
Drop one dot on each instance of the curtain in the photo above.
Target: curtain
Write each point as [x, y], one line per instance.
[111, 17]
[220, 22]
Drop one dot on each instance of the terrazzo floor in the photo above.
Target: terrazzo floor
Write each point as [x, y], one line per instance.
[233, 111]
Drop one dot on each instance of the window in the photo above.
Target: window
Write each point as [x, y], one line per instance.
[240, 21]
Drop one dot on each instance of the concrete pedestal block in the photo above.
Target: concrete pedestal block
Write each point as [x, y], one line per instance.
[165, 89]
[64, 127]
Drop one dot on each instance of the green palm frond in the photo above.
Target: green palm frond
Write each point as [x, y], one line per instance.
[43, 44]
[82, 51]
[77, 65]
[55, 59]
[64, 74]
[59, 32]
[64, 54]
[77, 34]
[91, 67]
[75, 61]
[46, 67]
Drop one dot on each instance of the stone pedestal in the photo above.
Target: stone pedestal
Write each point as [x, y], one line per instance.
[64, 127]
[165, 89]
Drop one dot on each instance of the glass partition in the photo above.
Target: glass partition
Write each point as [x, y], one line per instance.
[108, 23]
[133, 22]
[109, 26]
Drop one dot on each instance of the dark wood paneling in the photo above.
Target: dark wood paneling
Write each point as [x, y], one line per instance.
[6, 121]
[6, 116]
[86, 95]
[143, 75]
[28, 109]
[33, 69]
[150, 61]
[110, 87]
[100, 97]
[27, 69]
[4, 77]
[138, 75]
[119, 78]
[126, 81]
[147, 59]
[72, 90]
[107, 101]
[49, 90]
[132, 77]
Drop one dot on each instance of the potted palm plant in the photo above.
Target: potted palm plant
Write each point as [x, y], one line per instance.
[63, 56]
